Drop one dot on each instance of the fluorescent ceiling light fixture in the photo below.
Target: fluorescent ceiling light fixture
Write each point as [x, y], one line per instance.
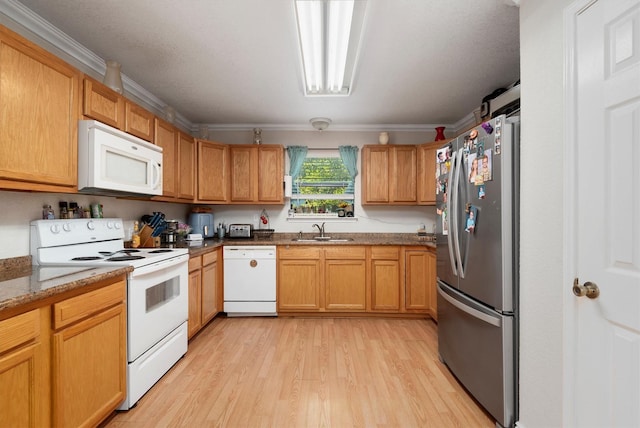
[329, 32]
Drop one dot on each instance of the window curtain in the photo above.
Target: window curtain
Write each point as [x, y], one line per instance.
[297, 155]
[349, 156]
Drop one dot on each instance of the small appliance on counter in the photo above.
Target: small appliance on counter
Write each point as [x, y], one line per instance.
[202, 223]
[240, 231]
[170, 232]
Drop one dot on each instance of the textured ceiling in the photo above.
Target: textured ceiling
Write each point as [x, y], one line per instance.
[224, 62]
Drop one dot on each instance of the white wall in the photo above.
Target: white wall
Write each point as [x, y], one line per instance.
[541, 249]
[17, 209]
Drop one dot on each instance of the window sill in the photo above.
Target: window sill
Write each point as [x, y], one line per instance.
[331, 217]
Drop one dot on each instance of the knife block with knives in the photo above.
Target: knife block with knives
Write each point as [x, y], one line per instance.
[150, 232]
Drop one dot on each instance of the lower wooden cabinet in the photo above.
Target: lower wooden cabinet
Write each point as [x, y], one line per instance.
[24, 370]
[64, 364]
[300, 277]
[373, 279]
[385, 278]
[319, 279]
[205, 289]
[89, 357]
[345, 279]
[420, 281]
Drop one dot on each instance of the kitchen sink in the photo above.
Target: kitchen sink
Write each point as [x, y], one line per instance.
[322, 239]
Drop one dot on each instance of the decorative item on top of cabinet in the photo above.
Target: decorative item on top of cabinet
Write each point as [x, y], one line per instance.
[383, 138]
[40, 101]
[440, 133]
[113, 77]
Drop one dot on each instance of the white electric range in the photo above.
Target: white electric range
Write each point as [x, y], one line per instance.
[157, 290]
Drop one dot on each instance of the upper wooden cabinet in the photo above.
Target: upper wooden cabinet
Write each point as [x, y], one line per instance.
[213, 172]
[107, 106]
[39, 111]
[256, 174]
[427, 172]
[103, 103]
[389, 175]
[138, 121]
[178, 159]
[187, 166]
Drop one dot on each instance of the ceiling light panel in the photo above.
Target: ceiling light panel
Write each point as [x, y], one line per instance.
[329, 32]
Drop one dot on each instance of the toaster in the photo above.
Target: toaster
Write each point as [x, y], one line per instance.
[240, 230]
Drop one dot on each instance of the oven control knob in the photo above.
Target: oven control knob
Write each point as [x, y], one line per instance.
[66, 227]
[116, 225]
[55, 228]
[91, 225]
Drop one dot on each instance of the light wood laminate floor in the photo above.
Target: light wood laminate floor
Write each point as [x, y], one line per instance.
[308, 372]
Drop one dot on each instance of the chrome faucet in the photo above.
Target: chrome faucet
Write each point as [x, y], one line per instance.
[320, 229]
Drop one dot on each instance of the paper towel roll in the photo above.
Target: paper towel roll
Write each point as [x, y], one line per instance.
[287, 186]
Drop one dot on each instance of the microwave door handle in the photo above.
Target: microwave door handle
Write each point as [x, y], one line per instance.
[157, 168]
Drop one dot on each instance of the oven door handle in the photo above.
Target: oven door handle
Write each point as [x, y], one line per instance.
[155, 267]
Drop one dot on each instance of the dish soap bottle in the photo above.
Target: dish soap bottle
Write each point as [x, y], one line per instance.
[135, 236]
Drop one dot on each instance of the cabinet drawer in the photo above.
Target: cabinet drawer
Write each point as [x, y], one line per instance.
[19, 329]
[344, 253]
[195, 263]
[79, 307]
[311, 253]
[385, 253]
[209, 258]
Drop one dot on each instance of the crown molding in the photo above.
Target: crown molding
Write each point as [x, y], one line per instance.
[51, 38]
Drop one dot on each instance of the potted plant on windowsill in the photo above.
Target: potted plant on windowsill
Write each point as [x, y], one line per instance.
[342, 209]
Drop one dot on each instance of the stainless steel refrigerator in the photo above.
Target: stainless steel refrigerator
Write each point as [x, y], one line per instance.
[477, 262]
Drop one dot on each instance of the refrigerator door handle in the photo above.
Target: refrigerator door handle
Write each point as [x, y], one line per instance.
[473, 312]
[450, 214]
[459, 170]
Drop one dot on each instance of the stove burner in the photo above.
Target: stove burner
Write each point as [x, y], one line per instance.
[160, 251]
[84, 259]
[124, 258]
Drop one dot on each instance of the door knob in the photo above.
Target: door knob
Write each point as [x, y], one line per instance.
[589, 289]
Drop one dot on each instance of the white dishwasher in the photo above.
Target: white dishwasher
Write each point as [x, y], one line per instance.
[249, 280]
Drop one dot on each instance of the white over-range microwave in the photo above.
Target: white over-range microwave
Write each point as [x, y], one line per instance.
[112, 162]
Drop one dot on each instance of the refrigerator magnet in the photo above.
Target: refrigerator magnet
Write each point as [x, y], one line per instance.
[481, 191]
[472, 215]
[487, 127]
[496, 146]
[486, 166]
[472, 165]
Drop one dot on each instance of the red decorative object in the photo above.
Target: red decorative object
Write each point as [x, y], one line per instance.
[440, 133]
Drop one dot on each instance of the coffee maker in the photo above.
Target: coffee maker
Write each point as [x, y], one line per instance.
[170, 234]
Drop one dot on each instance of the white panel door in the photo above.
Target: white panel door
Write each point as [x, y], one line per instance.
[606, 336]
